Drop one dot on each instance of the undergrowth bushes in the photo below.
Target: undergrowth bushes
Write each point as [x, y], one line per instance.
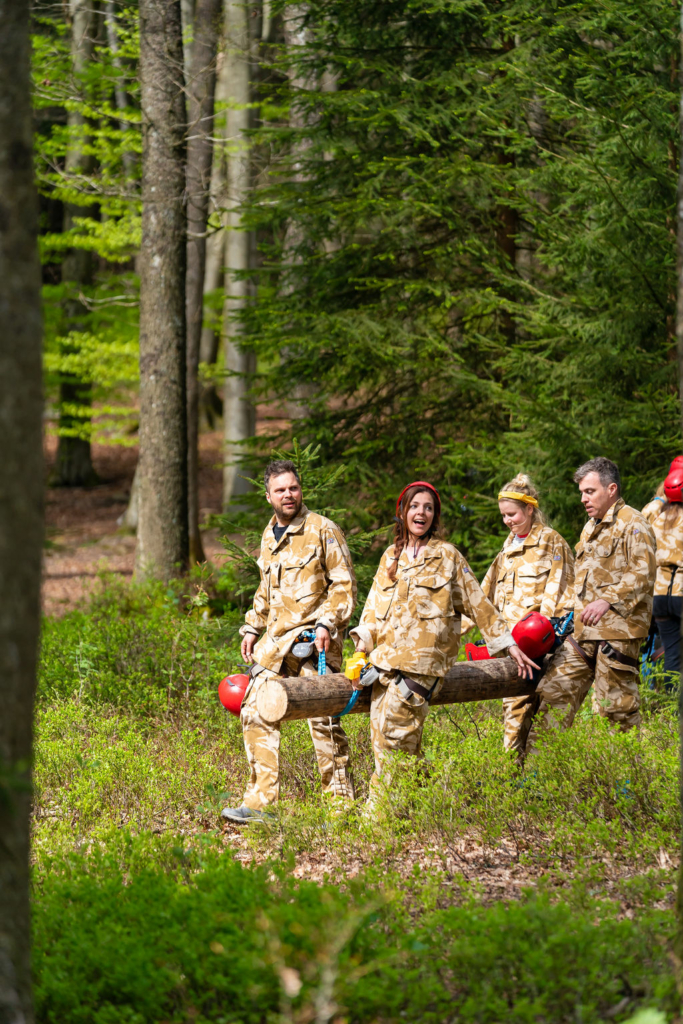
[152, 921]
[150, 931]
[139, 648]
[130, 733]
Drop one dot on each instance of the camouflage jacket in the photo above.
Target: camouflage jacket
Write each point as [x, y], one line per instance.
[534, 576]
[666, 520]
[307, 578]
[412, 623]
[615, 561]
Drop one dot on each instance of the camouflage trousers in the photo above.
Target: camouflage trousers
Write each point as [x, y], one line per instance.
[518, 714]
[396, 724]
[564, 687]
[262, 744]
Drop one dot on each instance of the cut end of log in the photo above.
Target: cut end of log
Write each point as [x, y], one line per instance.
[271, 701]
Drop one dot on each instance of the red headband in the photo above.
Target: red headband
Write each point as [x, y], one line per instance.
[421, 484]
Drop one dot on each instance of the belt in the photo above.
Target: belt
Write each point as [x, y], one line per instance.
[609, 652]
[406, 686]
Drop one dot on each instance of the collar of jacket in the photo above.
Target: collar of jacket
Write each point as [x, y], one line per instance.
[531, 538]
[609, 516]
[296, 526]
[430, 550]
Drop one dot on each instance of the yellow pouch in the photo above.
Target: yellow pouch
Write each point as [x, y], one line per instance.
[355, 665]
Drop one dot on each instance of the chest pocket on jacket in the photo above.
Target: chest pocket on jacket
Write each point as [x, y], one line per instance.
[608, 560]
[532, 578]
[302, 576]
[430, 597]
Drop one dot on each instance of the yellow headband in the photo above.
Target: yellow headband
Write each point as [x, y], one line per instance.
[518, 496]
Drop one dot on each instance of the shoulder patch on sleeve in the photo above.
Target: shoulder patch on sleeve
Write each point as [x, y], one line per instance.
[557, 558]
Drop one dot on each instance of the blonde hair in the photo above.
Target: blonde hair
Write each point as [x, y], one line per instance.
[523, 485]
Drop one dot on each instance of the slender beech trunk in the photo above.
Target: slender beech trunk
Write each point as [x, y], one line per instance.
[214, 272]
[679, 338]
[162, 548]
[21, 493]
[201, 90]
[120, 97]
[297, 38]
[73, 466]
[238, 412]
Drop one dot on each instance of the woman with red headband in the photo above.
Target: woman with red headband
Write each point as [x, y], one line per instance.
[410, 625]
[665, 515]
[533, 572]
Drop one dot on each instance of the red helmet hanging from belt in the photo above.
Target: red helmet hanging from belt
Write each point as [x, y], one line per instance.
[231, 692]
[534, 634]
[423, 485]
[673, 485]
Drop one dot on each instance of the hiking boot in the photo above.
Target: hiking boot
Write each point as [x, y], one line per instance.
[243, 814]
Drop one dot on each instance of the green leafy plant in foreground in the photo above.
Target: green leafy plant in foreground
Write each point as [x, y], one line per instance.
[151, 931]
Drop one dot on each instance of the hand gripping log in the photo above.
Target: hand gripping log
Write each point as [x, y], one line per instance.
[282, 700]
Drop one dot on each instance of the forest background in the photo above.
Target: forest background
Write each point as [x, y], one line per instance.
[440, 241]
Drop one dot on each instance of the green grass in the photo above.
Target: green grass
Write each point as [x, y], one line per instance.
[135, 889]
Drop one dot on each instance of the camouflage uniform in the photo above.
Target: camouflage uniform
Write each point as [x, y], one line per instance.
[615, 561]
[307, 579]
[534, 575]
[411, 626]
[666, 520]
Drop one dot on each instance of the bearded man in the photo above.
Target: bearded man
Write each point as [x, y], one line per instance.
[307, 586]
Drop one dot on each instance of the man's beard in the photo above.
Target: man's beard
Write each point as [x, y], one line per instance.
[283, 513]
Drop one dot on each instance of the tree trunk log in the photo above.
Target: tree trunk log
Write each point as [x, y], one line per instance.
[201, 89]
[283, 700]
[162, 549]
[21, 499]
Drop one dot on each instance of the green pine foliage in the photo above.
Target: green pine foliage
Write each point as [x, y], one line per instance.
[431, 138]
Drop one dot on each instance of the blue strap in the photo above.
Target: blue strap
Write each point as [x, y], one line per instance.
[322, 663]
[350, 706]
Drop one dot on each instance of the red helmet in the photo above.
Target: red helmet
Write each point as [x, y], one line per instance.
[673, 485]
[677, 463]
[231, 692]
[477, 652]
[534, 634]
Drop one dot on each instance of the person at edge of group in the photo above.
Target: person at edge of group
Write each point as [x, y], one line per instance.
[665, 516]
[614, 575]
[533, 572]
[410, 626]
[307, 583]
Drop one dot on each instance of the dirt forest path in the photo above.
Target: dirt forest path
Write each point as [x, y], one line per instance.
[82, 534]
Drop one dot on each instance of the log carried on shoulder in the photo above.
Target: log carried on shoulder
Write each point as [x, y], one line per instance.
[292, 697]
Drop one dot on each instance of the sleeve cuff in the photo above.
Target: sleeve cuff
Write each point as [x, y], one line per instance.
[365, 637]
[500, 644]
[246, 628]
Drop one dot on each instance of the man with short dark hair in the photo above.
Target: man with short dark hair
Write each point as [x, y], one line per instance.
[613, 586]
[307, 584]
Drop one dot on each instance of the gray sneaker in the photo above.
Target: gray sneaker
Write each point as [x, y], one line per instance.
[240, 815]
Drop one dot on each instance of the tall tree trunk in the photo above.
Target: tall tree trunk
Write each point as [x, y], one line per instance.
[120, 97]
[201, 89]
[73, 466]
[297, 37]
[214, 272]
[679, 338]
[162, 548]
[238, 411]
[21, 520]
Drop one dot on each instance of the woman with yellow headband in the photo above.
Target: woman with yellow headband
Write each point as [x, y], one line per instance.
[533, 572]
